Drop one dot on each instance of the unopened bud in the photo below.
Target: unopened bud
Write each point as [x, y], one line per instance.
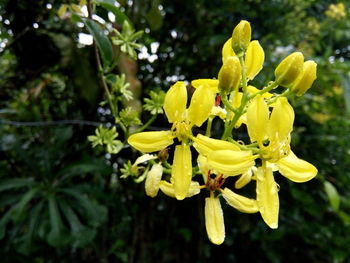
[289, 69]
[305, 79]
[241, 37]
[230, 74]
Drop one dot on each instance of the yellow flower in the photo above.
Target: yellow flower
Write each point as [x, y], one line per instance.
[183, 120]
[214, 220]
[168, 189]
[230, 74]
[272, 133]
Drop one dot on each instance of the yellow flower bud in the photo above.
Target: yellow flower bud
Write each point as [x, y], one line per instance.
[241, 203]
[289, 69]
[254, 59]
[305, 80]
[230, 74]
[153, 179]
[214, 220]
[241, 37]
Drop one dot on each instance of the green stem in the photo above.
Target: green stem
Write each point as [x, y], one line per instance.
[148, 123]
[209, 124]
[283, 94]
[270, 86]
[240, 110]
[227, 103]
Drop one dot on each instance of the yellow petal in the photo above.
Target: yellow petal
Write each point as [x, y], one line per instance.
[254, 59]
[153, 179]
[181, 172]
[305, 80]
[289, 69]
[203, 166]
[241, 37]
[168, 189]
[244, 179]
[144, 158]
[214, 220]
[205, 145]
[230, 162]
[151, 141]
[267, 196]
[202, 101]
[175, 102]
[212, 83]
[295, 169]
[62, 11]
[281, 120]
[230, 75]
[227, 50]
[241, 203]
[257, 119]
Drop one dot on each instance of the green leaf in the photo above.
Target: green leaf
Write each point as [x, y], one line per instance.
[81, 234]
[120, 17]
[21, 205]
[15, 183]
[56, 236]
[102, 41]
[333, 195]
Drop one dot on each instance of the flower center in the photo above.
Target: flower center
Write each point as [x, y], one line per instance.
[181, 129]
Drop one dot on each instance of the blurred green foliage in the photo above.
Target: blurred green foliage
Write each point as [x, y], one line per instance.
[62, 201]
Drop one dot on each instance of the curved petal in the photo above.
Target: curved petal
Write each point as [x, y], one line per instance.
[214, 220]
[181, 172]
[281, 120]
[203, 166]
[295, 169]
[202, 101]
[267, 196]
[230, 162]
[151, 141]
[244, 179]
[227, 50]
[257, 119]
[289, 69]
[153, 179]
[305, 80]
[168, 189]
[212, 83]
[205, 145]
[241, 203]
[254, 59]
[175, 102]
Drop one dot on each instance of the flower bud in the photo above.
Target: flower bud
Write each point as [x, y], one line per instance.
[230, 74]
[305, 79]
[289, 69]
[241, 36]
[153, 179]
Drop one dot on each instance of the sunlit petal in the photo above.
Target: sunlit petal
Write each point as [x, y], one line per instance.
[257, 119]
[214, 220]
[254, 59]
[227, 50]
[175, 102]
[241, 203]
[153, 179]
[295, 169]
[151, 141]
[202, 101]
[212, 83]
[267, 196]
[181, 172]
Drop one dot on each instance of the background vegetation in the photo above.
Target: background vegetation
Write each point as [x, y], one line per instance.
[63, 201]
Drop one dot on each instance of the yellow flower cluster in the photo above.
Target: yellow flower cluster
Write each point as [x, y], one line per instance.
[336, 11]
[267, 116]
